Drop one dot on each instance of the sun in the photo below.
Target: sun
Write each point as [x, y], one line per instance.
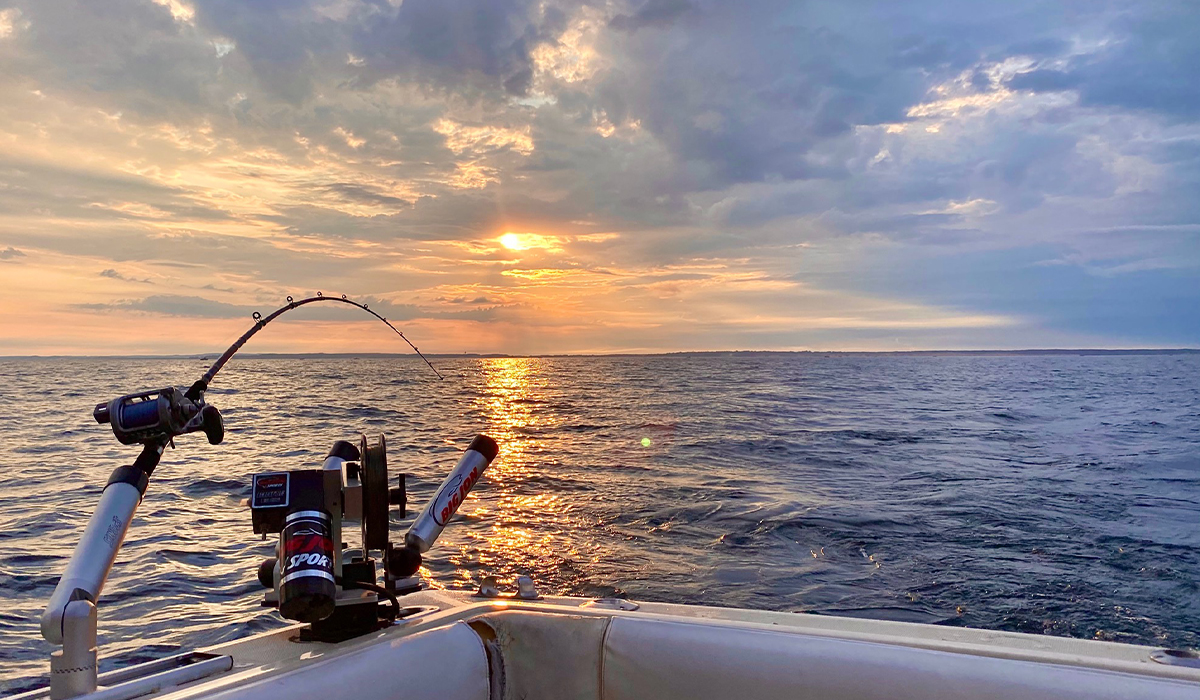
[512, 241]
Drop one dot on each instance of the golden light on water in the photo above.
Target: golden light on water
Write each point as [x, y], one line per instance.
[511, 391]
[513, 401]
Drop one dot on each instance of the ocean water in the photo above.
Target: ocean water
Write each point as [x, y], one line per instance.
[1052, 494]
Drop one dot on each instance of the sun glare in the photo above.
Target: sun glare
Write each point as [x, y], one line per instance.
[512, 241]
[526, 241]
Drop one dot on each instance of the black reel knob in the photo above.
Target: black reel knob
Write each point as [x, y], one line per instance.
[213, 425]
[404, 561]
[266, 573]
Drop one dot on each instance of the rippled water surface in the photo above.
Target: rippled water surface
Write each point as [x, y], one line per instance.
[1045, 494]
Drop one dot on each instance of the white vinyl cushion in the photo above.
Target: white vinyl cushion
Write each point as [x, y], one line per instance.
[650, 659]
[549, 656]
[446, 663]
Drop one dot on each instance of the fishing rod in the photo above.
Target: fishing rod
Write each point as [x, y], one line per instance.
[260, 322]
[154, 419]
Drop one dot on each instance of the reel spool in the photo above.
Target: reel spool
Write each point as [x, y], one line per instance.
[373, 469]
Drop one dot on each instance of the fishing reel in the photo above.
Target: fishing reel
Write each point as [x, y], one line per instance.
[315, 577]
[160, 415]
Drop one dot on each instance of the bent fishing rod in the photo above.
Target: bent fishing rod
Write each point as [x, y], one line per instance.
[154, 419]
[260, 323]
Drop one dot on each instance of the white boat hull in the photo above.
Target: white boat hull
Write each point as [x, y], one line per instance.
[466, 648]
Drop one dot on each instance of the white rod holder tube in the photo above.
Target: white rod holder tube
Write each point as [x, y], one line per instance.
[93, 556]
[450, 495]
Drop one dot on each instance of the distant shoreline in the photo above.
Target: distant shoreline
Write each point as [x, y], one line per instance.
[380, 355]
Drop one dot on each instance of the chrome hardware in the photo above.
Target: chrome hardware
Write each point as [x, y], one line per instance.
[1177, 657]
[526, 589]
[488, 588]
[611, 604]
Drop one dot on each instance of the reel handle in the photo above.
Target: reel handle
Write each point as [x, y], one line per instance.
[212, 424]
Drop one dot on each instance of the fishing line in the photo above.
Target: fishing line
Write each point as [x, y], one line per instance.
[261, 321]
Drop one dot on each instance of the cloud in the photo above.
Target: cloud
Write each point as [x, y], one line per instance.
[11, 23]
[203, 307]
[173, 305]
[655, 13]
[1044, 80]
[110, 273]
[905, 165]
[1148, 66]
[461, 44]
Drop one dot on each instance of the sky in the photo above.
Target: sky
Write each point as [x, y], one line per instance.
[516, 176]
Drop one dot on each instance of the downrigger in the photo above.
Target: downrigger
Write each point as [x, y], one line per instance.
[314, 577]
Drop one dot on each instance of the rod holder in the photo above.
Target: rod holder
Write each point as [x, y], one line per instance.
[73, 668]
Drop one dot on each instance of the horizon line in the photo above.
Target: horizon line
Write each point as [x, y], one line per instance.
[1022, 351]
